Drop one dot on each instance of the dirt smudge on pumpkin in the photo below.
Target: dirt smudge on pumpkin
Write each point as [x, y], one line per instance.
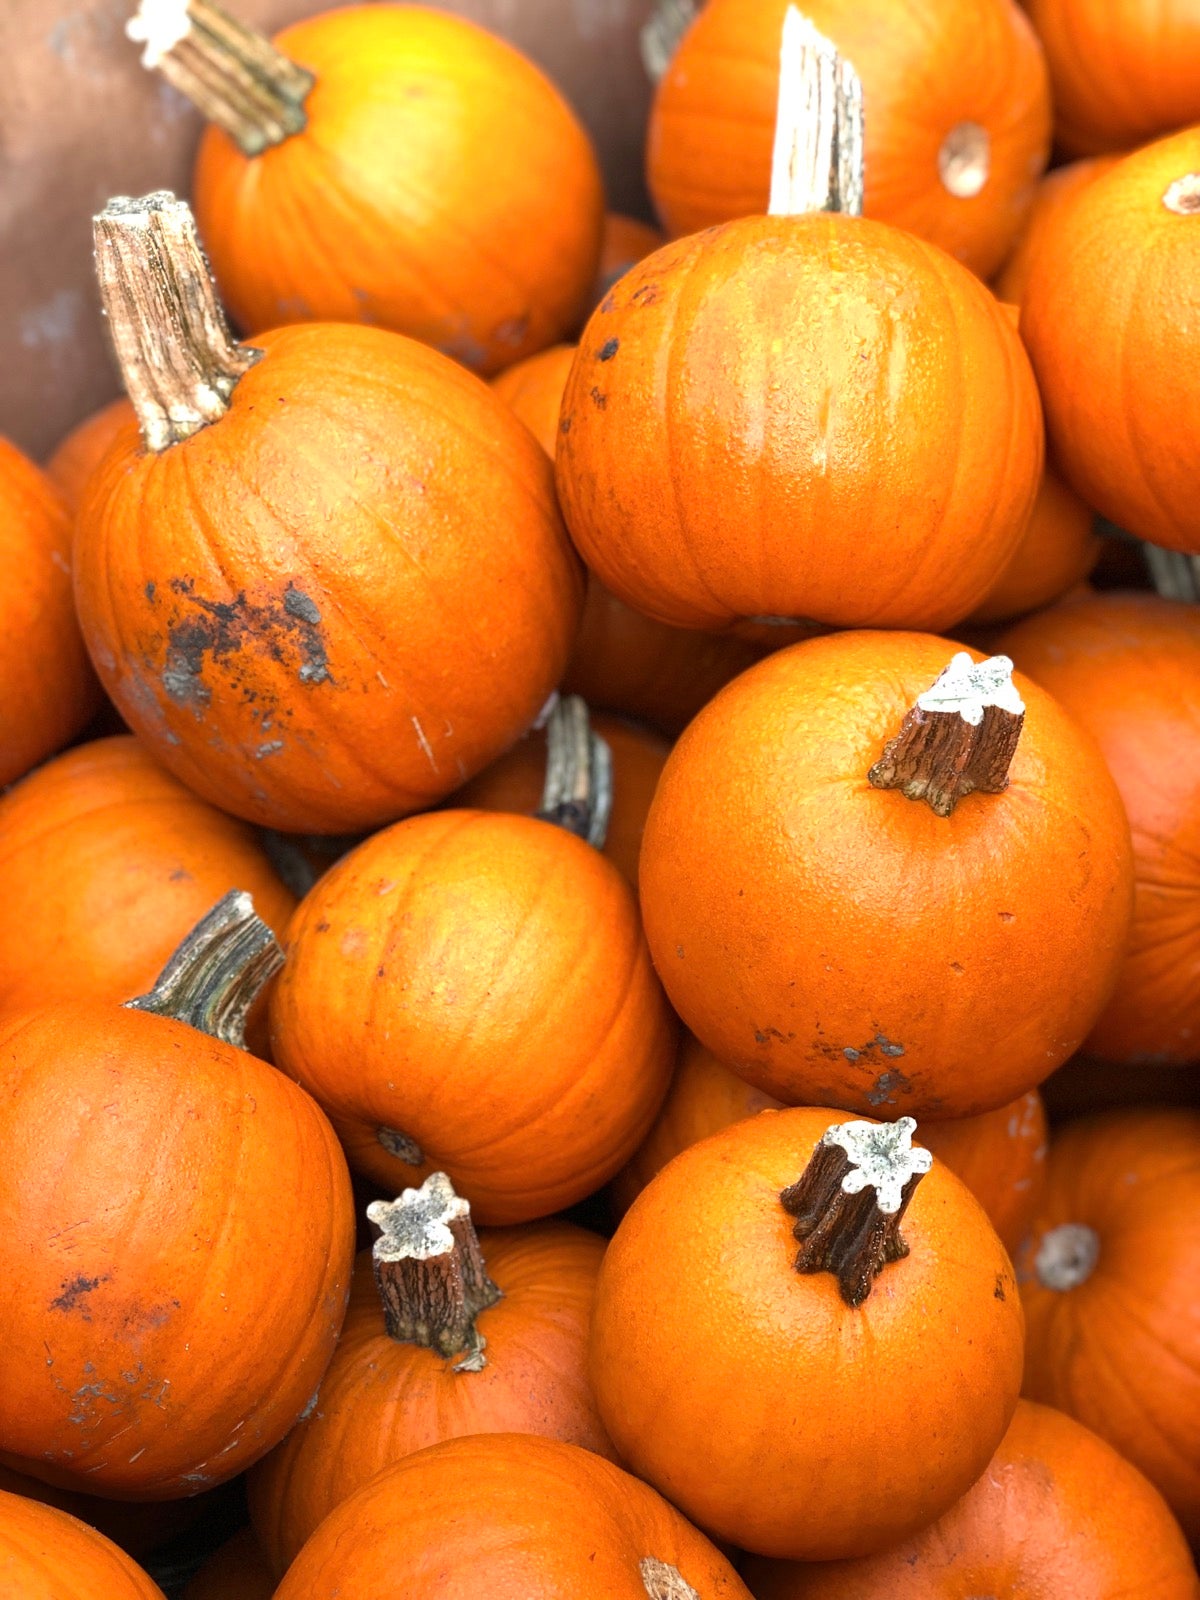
[885, 1083]
[608, 350]
[288, 628]
[73, 1292]
[599, 399]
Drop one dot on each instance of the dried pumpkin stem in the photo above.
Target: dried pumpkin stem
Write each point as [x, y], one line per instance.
[217, 973]
[430, 1271]
[578, 790]
[817, 163]
[662, 1581]
[234, 76]
[960, 736]
[850, 1198]
[661, 33]
[177, 357]
[1183, 195]
[1067, 1256]
[1175, 576]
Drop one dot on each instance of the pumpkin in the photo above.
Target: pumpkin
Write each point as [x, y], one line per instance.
[1127, 667]
[534, 390]
[780, 1398]
[476, 1335]
[841, 920]
[383, 160]
[267, 586]
[1000, 1155]
[1051, 195]
[237, 1571]
[47, 1555]
[625, 242]
[1105, 296]
[517, 782]
[47, 691]
[1058, 550]
[83, 449]
[138, 1528]
[106, 862]
[1108, 1279]
[509, 1516]
[177, 1231]
[471, 992]
[956, 115]
[1058, 1512]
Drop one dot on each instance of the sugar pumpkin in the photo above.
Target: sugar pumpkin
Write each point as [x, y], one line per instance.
[887, 949]
[267, 581]
[83, 449]
[625, 241]
[47, 1555]
[534, 389]
[1052, 193]
[1058, 550]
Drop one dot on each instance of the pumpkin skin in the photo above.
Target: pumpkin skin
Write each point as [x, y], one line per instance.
[1052, 194]
[84, 448]
[529, 1092]
[534, 390]
[47, 690]
[514, 783]
[1109, 291]
[1127, 668]
[625, 242]
[237, 1571]
[1058, 1512]
[106, 862]
[268, 600]
[138, 1528]
[925, 71]
[419, 123]
[703, 484]
[1058, 550]
[382, 1400]
[698, 1387]
[47, 1555]
[546, 1519]
[1120, 1351]
[838, 944]
[139, 1213]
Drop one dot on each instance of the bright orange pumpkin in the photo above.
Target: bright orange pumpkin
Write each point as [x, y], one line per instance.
[1108, 296]
[1058, 1513]
[47, 691]
[83, 449]
[47, 1555]
[1109, 1281]
[956, 116]
[1127, 668]
[471, 992]
[1051, 195]
[237, 1571]
[704, 484]
[510, 1516]
[534, 390]
[1058, 550]
[519, 1366]
[781, 1400]
[841, 943]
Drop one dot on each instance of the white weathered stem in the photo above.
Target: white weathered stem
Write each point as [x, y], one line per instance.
[817, 164]
[577, 794]
[660, 35]
[1183, 196]
[1174, 575]
[662, 1581]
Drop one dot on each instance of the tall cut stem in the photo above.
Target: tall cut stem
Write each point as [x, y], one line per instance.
[817, 164]
[1174, 575]
[578, 789]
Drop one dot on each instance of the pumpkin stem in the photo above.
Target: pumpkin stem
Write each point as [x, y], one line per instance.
[177, 357]
[1067, 1256]
[1183, 196]
[578, 789]
[662, 1581]
[965, 159]
[660, 35]
[430, 1271]
[817, 164]
[960, 736]
[215, 976]
[849, 1200]
[1175, 576]
[234, 76]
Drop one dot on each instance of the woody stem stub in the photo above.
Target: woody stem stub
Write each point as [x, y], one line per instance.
[960, 736]
[578, 790]
[850, 1198]
[817, 163]
[430, 1271]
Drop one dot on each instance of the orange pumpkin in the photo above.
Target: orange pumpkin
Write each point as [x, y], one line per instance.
[1057, 1513]
[782, 1400]
[106, 863]
[625, 242]
[1121, 71]
[47, 691]
[471, 992]
[1106, 296]
[1052, 193]
[541, 1518]
[83, 449]
[177, 1232]
[485, 1335]
[956, 117]
[704, 486]
[1127, 667]
[47, 1555]
[392, 165]
[1108, 1278]
[138, 1528]
[839, 944]
[534, 390]
[268, 592]
[1058, 550]
[237, 1571]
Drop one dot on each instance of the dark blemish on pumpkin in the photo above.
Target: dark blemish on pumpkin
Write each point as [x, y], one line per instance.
[565, 425]
[679, 951]
[998, 1291]
[72, 1292]
[283, 628]
[297, 604]
[767, 1034]
[599, 399]
[609, 303]
[381, 972]
[1007, 916]
[180, 875]
[187, 643]
[151, 590]
[645, 296]
[882, 1094]
[956, 967]
[851, 1054]
[512, 331]
[608, 349]
[322, 927]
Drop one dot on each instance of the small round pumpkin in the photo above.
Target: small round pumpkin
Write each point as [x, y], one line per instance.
[1127, 668]
[237, 1571]
[782, 1399]
[1052, 193]
[47, 691]
[956, 116]
[1058, 550]
[534, 390]
[1108, 1278]
[873, 880]
[447, 1334]
[1058, 1513]
[83, 449]
[471, 992]
[47, 1555]
[1107, 294]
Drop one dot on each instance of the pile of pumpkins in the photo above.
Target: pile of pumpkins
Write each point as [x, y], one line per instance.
[510, 724]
